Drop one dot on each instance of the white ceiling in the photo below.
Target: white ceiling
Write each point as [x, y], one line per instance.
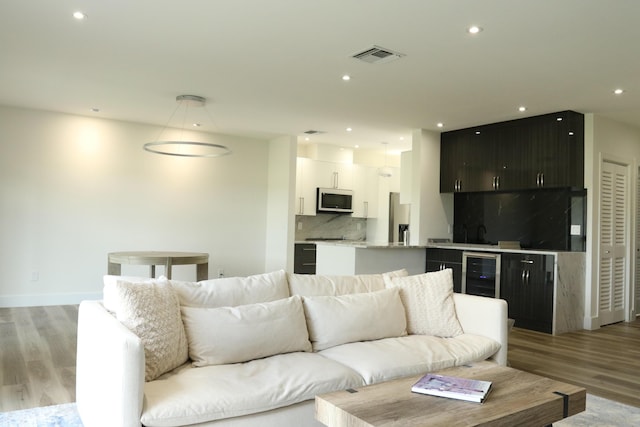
[274, 67]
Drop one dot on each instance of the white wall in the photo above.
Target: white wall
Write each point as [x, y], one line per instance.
[606, 139]
[431, 212]
[74, 188]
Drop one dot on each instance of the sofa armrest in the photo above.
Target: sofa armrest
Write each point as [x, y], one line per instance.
[487, 317]
[109, 369]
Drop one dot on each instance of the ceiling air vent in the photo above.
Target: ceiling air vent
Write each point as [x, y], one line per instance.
[313, 132]
[378, 55]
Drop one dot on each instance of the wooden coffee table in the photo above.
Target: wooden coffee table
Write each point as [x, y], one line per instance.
[518, 399]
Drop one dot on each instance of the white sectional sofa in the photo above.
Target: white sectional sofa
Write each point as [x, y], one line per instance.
[255, 351]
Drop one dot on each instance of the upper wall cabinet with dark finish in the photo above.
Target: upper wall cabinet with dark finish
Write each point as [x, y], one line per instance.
[538, 152]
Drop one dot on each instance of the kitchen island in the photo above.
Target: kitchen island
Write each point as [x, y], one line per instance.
[337, 258]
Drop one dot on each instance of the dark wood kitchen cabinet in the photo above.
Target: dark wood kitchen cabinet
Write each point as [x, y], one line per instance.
[542, 151]
[304, 258]
[440, 259]
[527, 282]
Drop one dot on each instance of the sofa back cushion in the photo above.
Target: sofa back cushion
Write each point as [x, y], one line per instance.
[151, 310]
[224, 335]
[428, 300]
[335, 320]
[233, 291]
[308, 285]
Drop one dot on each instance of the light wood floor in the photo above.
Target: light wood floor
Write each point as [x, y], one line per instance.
[37, 356]
[606, 361]
[38, 347]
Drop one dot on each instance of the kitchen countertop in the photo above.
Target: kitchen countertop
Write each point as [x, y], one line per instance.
[458, 246]
[492, 248]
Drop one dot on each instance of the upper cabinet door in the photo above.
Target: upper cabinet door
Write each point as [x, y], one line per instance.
[538, 152]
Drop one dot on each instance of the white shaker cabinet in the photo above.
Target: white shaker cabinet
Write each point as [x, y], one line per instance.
[305, 186]
[365, 191]
[334, 175]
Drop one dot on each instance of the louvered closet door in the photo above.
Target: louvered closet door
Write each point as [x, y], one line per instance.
[613, 242]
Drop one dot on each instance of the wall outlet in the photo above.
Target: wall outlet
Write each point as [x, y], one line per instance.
[575, 229]
[299, 225]
[35, 275]
[221, 272]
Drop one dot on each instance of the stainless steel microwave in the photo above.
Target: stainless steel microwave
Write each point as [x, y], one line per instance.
[334, 200]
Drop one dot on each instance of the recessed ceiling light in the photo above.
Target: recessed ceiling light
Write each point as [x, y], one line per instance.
[522, 108]
[306, 138]
[346, 77]
[349, 129]
[618, 91]
[474, 29]
[440, 125]
[79, 15]
[356, 146]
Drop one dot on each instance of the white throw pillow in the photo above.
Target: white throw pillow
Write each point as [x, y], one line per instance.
[233, 291]
[151, 310]
[428, 300]
[335, 320]
[310, 285]
[237, 334]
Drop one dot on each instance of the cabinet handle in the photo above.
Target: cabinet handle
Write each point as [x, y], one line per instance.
[526, 261]
[528, 275]
[541, 179]
[496, 182]
[523, 276]
[538, 179]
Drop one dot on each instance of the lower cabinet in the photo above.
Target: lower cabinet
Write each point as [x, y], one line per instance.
[526, 283]
[304, 258]
[440, 259]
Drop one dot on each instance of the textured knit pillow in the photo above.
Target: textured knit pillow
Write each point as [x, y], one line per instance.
[151, 311]
[238, 334]
[428, 301]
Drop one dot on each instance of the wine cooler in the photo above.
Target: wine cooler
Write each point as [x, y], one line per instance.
[481, 274]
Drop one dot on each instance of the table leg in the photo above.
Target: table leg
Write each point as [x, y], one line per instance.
[167, 268]
[202, 271]
[114, 269]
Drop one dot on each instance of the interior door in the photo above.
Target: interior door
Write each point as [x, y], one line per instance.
[612, 277]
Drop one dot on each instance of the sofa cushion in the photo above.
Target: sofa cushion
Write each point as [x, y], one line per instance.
[191, 395]
[468, 348]
[233, 291]
[428, 300]
[308, 285]
[391, 358]
[236, 334]
[151, 310]
[335, 320]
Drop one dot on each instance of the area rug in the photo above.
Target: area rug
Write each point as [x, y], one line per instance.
[600, 413]
[65, 415]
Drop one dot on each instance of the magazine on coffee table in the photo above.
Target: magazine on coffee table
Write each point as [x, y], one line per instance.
[453, 387]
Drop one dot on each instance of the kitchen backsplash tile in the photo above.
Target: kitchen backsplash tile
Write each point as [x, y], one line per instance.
[330, 226]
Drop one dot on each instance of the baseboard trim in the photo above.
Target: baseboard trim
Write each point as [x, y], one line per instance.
[46, 299]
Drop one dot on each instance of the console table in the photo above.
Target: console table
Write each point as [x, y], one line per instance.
[153, 258]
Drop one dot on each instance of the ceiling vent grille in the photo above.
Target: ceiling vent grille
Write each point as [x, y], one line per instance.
[378, 55]
[312, 132]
